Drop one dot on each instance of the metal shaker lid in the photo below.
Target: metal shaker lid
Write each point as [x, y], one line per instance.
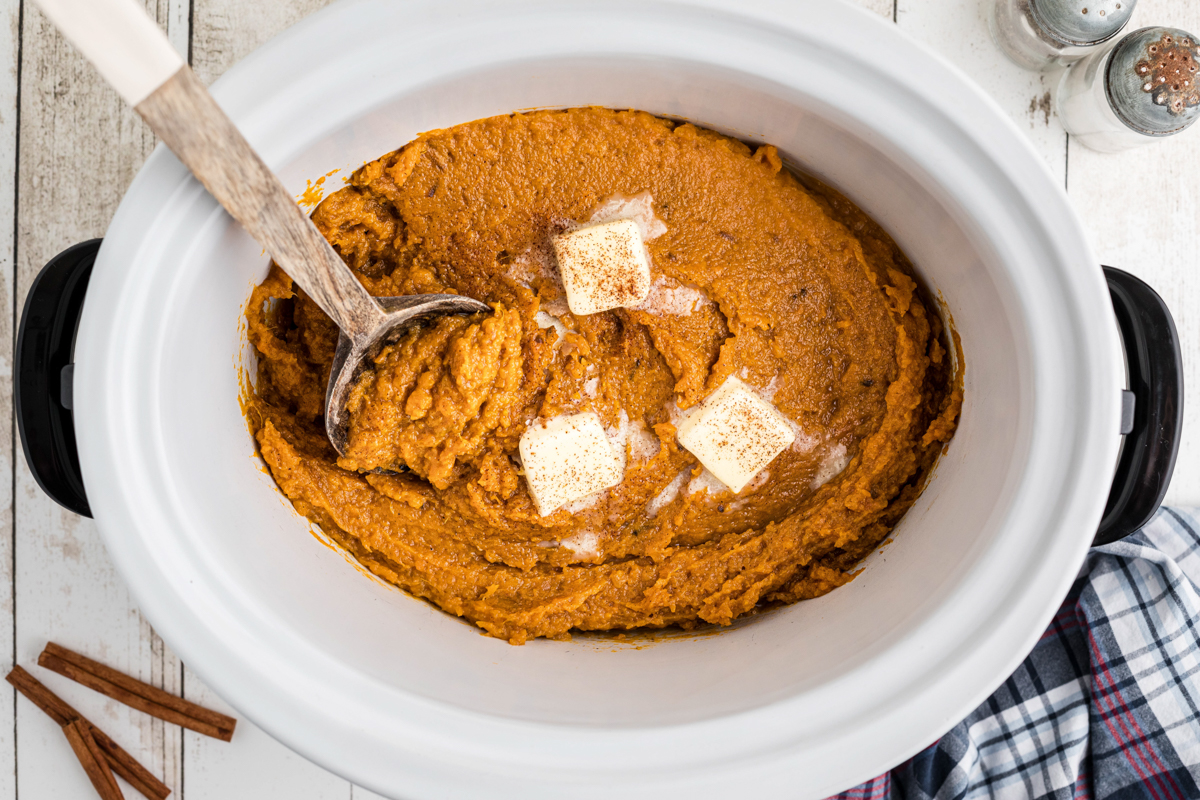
[1081, 22]
[1152, 80]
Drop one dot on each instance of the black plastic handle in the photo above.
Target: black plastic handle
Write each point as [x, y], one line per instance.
[1156, 382]
[43, 397]
[42, 390]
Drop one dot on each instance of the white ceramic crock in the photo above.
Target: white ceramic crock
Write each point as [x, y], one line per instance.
[802, 702]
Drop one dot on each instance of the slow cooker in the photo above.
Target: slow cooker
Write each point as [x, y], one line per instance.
[131, 354]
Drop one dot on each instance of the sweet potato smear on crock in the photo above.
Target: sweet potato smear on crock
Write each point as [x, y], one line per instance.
[791, 289]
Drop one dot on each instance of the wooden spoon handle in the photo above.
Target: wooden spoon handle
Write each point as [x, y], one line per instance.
[135, 57]
[122, 42]
[189, 121]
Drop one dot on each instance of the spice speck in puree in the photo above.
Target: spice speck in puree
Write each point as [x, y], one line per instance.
[784, 285]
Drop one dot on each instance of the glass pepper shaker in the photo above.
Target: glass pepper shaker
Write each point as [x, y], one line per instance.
[1141, 89]
[1037, 34]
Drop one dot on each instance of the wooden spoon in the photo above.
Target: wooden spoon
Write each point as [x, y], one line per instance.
[134, 56]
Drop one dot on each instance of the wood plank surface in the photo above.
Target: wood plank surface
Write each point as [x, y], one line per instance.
[10, 18]
[884, 8]
[225, 31]
[958, 31]
[1142, 213]
[80, 149]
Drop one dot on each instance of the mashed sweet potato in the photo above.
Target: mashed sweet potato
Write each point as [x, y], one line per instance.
[787, 286]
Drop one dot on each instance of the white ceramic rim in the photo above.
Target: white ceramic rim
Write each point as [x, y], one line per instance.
[387, 740]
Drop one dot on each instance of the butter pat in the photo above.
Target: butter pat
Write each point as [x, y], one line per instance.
[567, 459]
[735, 434]
[603, 266]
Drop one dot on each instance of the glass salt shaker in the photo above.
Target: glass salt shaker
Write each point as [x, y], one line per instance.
[1037, 34]
[1141, 89]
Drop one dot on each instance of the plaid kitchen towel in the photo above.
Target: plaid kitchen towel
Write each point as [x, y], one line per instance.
[1107, 706]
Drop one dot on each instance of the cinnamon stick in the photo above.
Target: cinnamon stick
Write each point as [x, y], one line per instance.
[121, 762]
[141, 779]
[135, 693]
[79, 734]
[54, 706]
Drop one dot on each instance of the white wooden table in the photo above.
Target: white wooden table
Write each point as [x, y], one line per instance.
[68, 150]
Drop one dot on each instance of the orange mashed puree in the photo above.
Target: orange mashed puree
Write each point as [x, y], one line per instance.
[758, 274]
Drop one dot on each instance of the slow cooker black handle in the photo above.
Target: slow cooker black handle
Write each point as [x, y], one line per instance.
[42, 390]
[43, 397]
[1156, 383]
